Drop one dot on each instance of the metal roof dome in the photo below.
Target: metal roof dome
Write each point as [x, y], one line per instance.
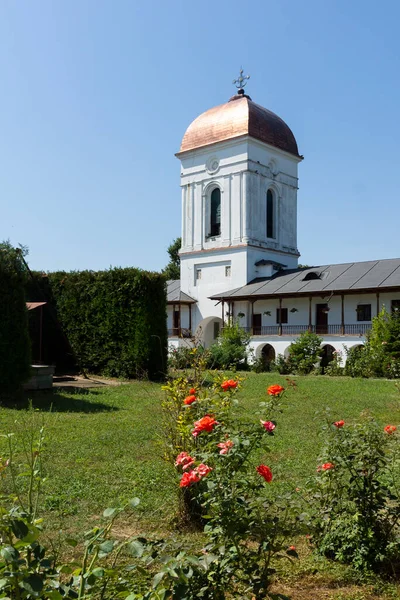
[240, 116]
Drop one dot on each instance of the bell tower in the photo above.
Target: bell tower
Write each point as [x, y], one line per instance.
[239, 183]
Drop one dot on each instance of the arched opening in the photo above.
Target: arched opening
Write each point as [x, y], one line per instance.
[327, 355]
[215, 213]
[208, 331]
[270, 224]
[267, 355]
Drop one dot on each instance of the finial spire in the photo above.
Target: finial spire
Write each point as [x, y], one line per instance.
[241, 81]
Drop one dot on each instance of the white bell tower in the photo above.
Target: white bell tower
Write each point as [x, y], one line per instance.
[239, 183]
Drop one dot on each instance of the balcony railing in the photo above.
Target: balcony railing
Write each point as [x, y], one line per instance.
[355, 329]
[181, 332]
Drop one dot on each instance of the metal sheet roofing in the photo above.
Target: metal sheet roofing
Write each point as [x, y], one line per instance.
[368, 275]
[174, 293]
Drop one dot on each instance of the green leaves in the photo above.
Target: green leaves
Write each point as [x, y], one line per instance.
[9, 553]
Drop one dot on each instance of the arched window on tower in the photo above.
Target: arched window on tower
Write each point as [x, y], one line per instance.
[215, 213]
[270, 215]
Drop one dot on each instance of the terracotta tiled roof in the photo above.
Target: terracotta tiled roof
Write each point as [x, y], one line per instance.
[240, 116]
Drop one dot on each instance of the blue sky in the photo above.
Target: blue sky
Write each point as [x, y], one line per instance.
[96, 96]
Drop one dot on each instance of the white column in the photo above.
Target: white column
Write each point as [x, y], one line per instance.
[184, 218]
[226, 212]
[236, 208]
[198, 220]
[245, 207]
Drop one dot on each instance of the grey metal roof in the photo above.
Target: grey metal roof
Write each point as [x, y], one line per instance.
[347, 277]
[174, 293]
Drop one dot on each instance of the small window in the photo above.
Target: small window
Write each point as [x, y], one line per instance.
[270, 215]
[312, 275]
[281, 315]
[364, 312]
[396, 306]
[215, 223]
[216, 330]
[176, 319]
[198, 274]
[227, 271]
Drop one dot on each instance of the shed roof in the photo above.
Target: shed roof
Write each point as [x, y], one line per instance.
[33, 305]
[346, 278]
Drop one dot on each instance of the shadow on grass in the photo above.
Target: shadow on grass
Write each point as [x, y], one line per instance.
[58, 400]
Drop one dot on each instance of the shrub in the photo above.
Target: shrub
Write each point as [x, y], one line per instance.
[115, 320]
[230, 349]
[182, 358]
[357, 497]
[305, 353]
[282, 365]
[15, 356]
[380, 356]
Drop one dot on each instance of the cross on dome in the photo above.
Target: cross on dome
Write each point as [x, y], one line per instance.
[241, 81]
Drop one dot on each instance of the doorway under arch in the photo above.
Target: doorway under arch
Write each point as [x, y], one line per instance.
[327, 355]
[267, 354]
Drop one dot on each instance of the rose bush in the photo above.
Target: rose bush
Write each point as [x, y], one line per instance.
[222, 488]
[356, 497]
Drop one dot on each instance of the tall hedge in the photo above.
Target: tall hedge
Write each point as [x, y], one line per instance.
[15, 356]
[115, 320]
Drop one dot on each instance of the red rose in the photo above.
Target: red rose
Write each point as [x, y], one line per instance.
[275, 390]
[225, 446]
[339, 424]
[389, 429]
[184, 460]
[203, 470]
[292, 548]
[189, 400]
[189, 478]
[229, 384]
[268, 425]
[265, 472]
[192, 391]
[207, 423]
[326, 467]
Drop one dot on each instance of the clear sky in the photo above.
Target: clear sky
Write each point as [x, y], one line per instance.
[96, 96]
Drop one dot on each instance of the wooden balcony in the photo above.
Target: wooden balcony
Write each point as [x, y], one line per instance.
[265, 330]
[180, 332]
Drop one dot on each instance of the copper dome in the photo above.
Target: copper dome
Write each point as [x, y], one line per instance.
[240, 116]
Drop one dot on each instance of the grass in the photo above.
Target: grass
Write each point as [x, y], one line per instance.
[104, 447]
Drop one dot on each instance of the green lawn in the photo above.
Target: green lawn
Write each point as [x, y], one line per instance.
[103, 445]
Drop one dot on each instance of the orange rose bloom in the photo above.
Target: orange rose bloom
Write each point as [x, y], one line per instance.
[207, 423]
[265, 472]
[229, 384]
[189, 400]
[275, 390]
[389, 429]
[339, 424]
[192, 391]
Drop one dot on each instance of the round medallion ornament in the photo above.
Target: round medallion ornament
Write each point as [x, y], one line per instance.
[212, 165]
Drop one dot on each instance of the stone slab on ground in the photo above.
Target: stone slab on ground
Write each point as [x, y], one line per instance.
[77, 381]
[41, 378]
